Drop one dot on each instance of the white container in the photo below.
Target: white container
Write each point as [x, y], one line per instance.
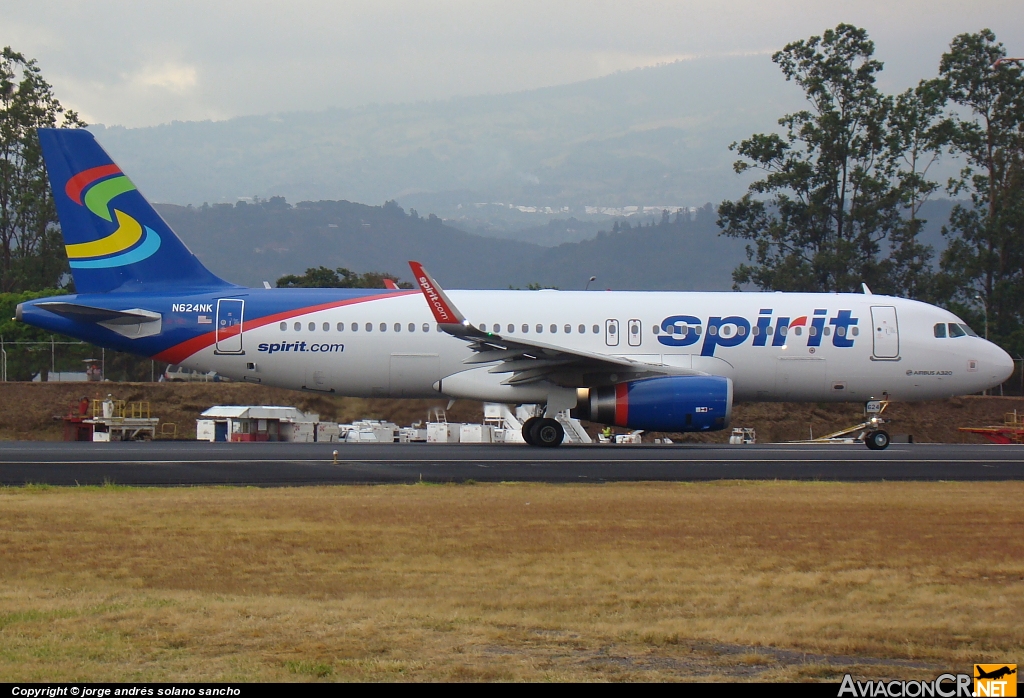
[443, 433]
[476, 434]
[327, 432]
[205, 430]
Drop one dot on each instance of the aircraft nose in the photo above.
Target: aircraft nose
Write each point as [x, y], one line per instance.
[1000, 364]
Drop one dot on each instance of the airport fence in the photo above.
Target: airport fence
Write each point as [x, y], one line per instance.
[64, 360]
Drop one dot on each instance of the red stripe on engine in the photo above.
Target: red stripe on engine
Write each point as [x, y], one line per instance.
[621, 404]
[180, 352]
[81, 180]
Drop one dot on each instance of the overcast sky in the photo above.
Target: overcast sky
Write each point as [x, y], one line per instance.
[141, 63]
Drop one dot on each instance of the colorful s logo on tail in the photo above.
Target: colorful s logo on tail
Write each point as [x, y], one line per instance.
[114, 239]
[130, 242]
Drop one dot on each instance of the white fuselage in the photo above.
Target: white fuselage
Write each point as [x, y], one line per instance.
[854, 348]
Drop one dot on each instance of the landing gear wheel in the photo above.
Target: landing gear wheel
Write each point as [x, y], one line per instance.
[548, 432]
[529, 427]
[877, 440]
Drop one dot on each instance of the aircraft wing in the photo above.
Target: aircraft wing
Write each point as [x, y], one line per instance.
[529, 361]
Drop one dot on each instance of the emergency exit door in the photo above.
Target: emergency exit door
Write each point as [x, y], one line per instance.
[885, 331]
[635, 333]
[229, 326]
[611, 333]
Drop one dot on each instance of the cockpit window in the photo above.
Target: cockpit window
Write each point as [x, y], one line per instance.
[940, 330]
[955, 330]
[968, 330]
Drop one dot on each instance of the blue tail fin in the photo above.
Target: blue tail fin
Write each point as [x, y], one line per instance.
[114, 239]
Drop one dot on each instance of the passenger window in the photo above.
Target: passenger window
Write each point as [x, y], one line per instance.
[855, 331]
[369, 327]
[769, 330]
[398, 327]
[568, 329]
[826, 331]
[784, 330]
[355, 327]
[713, 331]
[582, 329]
[655, 329]
[284, 326]
[634, 329]
[940, 330]
[798, 331]
[483, 327]
[596, 329]
[812, 331]
[511, 328]
[540, 328]
[412, 326]
[526, 329]
[312, 327]
[327, 327]
[956, 331]
[297, 326]
[840, 331]
[341, 327]
[383, 327]
[554, 329]
[741, 331]
[496, 328]
[426, 327]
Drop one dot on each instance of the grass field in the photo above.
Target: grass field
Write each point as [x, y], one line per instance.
[750, 581]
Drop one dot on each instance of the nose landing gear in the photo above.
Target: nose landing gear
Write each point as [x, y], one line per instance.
[877, 440]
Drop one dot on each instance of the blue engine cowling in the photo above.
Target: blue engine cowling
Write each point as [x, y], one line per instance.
[672, 403]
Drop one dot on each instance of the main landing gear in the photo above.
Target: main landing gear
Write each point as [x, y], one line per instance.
[543, 431]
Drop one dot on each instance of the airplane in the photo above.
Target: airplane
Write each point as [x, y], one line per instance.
[656, 361]
[994, 674]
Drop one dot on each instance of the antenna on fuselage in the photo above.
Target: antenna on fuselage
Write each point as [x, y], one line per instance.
[867, 291]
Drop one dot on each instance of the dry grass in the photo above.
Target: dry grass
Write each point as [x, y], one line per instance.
[509, 582]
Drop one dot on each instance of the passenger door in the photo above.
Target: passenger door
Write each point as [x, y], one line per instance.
[885, 331]
[228, 334]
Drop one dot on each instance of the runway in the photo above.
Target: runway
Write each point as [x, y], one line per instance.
[287, 464]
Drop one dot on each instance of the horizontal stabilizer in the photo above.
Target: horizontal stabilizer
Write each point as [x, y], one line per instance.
[132, 323]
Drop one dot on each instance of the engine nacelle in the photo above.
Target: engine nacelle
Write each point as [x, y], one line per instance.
[672, 403]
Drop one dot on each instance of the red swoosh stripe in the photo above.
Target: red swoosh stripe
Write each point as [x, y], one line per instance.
[81, 180]
[180, 352]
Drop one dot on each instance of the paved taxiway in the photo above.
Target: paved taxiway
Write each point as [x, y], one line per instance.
[197, 463]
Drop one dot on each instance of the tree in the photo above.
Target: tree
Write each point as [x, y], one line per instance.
[917, 135]
[985, 255]
[322, 277]
[31, 251]
[836, 186]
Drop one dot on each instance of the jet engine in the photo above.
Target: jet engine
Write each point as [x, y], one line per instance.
[670, 403]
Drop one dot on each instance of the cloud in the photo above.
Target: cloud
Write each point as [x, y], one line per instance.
[173, 77]
[138, 64]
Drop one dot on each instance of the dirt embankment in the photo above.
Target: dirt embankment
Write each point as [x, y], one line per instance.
[33, 410]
